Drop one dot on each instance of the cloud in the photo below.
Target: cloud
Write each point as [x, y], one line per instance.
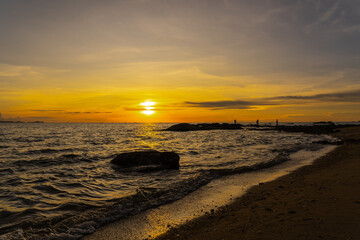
[235, 104]
[85, 112]
[346, 96]
[133, 109]
[0, 116]
[8, 71]
[45, 110]
[352, 29]
[323, 18]
[349, 96]
[14, 78]
[28, 118]
[66, 112]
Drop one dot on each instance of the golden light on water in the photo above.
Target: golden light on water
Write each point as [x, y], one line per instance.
[148, 106]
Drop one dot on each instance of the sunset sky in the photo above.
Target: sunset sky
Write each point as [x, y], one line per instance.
[194, 61]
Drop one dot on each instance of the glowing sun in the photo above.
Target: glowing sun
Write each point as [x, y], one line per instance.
[148, 105]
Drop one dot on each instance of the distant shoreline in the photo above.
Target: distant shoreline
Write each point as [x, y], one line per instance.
[21, 122]
[315, 128]
[182, 127]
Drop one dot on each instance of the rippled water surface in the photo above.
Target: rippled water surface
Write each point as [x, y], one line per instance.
[50, 173]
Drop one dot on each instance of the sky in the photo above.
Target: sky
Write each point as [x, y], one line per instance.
[194, 61]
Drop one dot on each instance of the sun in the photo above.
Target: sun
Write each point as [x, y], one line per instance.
[148, 106]
[147, 103]
[148, 112]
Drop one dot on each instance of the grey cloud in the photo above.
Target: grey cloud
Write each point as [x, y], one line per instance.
[85, 112]
[46, 110]
[325, 17]
[66, 112]
[251, 38]
[348, 96]
[236, 104]
[133, 109]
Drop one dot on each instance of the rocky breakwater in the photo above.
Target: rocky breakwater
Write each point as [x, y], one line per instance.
[146, 161]
[203, 126]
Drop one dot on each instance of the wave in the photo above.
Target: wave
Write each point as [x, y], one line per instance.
[89, 217]
[48, 150]
[48, 188]
[54, 161]
[28, 140]
[6, 171]
[86, 174]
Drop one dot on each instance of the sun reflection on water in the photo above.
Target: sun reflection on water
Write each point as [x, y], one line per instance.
[148, 135]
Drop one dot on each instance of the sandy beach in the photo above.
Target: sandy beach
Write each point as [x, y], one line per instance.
[319, 201]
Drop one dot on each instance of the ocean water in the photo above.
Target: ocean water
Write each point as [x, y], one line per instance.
[57, 182]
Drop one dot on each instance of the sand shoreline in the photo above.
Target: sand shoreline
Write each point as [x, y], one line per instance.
[217, 193]
[319, 201]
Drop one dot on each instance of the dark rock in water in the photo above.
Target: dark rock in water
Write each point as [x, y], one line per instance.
[182, 127]
[203, 126]
[325, 129]
[152, 160]
[323, 123]
[319, 129]
[327, 142]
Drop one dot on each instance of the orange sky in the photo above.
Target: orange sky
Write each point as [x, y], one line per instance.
[198, 61]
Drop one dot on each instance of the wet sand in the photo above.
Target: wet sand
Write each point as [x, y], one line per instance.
[319, 201]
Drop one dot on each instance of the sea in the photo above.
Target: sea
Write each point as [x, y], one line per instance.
[57, 182]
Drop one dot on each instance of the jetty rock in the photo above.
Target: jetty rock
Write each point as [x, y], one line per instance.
[182, 127]
[203, 126]
[155, 160]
